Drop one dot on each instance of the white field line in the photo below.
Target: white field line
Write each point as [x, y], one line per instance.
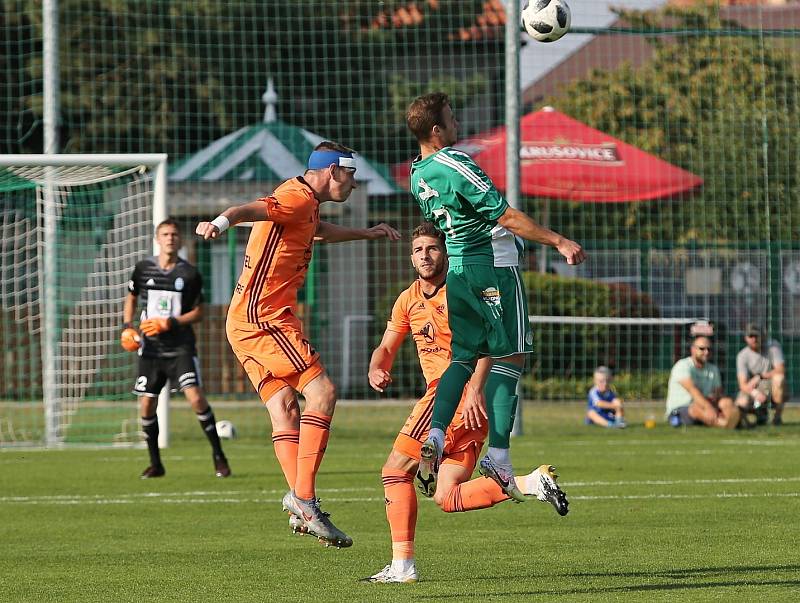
[157, 495]
[375, 499]
[239, 496]
[735, 480]
[688, 442]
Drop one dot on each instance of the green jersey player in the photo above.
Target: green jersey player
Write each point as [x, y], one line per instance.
[486, 298]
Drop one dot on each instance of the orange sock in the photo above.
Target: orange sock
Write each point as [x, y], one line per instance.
[401, 511]
[479, 493]
[286, 444]
[314, 431]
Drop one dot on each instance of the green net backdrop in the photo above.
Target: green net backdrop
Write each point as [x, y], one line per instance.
[711, 89]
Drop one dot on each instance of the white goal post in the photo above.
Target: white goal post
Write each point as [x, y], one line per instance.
[56, 178]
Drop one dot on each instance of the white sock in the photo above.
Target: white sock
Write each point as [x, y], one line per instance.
[403, 566]
[500, 456]
[438, 435]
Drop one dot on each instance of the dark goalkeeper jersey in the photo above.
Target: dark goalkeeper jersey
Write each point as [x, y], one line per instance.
[163, 294]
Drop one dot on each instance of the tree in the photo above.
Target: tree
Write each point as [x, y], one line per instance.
[722, 104]
[173, 75]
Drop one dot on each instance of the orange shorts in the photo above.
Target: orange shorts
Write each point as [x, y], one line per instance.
[461, 445]
[274, 354]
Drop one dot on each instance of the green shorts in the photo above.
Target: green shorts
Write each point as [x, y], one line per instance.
[488, 312]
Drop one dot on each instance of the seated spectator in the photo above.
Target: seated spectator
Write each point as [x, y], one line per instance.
[605, 407]
[694, 395]
[761, 372]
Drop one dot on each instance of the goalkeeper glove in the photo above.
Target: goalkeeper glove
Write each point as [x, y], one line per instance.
[154, 326]
[129, 339]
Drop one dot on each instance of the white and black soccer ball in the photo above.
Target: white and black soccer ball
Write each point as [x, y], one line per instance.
[546, 20]
[226, 430]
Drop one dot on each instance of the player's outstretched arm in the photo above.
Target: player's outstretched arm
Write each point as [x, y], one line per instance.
[523, 226]
[380, 365]
[334, 233]
[255, 211]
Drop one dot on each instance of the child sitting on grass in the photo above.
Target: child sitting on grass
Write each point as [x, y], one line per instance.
[604, 407]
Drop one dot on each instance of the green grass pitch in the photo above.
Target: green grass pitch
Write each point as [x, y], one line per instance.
[655, 515]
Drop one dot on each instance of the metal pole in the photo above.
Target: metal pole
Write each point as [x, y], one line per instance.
[347, 348]
[49, 242]
[51, 75]
[159, 215]
[48, 249]
[512, 131]
[546, 224]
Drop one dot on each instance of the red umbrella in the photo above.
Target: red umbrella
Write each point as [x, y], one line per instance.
[561, 158]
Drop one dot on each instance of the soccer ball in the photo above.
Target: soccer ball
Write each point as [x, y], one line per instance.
[226, 430]
[546, 20]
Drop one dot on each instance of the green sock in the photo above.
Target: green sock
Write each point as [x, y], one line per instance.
[449, 392]
[501, 402]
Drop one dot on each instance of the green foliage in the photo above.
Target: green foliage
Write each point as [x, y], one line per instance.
[171, 76]
[629, 386]
[724, 107]
[562, 353]
[403, 89]
[569, 350]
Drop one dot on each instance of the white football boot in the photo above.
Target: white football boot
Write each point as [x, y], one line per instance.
[316, 521]
[388, 575]
[542, 483]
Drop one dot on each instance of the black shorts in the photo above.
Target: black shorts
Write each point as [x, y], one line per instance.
[182, 371]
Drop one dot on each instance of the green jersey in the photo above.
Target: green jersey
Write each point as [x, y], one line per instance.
[456, 195]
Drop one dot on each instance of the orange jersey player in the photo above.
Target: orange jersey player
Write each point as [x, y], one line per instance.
[421, 310]
[267, 336]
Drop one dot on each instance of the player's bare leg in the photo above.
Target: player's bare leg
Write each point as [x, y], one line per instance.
[205, 415]
[320, 395]
[455, 494]
[450, 476]
[284, 414]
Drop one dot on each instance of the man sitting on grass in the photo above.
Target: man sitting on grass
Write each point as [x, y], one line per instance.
[694, 395]
[761, 372]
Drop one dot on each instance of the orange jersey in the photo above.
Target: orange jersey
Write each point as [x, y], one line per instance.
[426, 319]
[278, 254]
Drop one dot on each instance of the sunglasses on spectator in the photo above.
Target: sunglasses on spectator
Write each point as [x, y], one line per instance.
[703, 348]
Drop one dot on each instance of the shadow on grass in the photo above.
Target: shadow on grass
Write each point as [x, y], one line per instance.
[687, 572]
[691, 581]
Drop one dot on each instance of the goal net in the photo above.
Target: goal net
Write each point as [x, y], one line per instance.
[71, 229]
